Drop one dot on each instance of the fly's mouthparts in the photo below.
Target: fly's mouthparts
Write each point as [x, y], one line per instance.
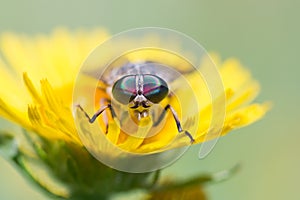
[140, 115]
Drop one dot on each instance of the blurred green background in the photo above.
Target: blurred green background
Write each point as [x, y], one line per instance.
[263, 34]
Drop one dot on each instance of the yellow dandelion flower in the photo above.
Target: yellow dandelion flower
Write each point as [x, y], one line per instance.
[196, 104]
[41, 101]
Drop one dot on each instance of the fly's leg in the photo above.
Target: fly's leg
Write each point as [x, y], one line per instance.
[98, 113]
[104, 101]
[178, 124]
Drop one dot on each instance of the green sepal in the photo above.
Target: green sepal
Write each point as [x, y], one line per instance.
[188, 189]
[79, 174]
[8, 145]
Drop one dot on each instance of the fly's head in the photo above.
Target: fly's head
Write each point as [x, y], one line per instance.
[140, 92]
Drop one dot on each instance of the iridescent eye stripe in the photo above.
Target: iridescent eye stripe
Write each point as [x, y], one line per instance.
[149, 82]
[128, 85]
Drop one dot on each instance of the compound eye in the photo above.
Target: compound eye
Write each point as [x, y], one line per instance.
[155, 88]
[124, 89]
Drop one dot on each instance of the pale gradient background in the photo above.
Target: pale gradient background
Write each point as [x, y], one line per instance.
[263, 34]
